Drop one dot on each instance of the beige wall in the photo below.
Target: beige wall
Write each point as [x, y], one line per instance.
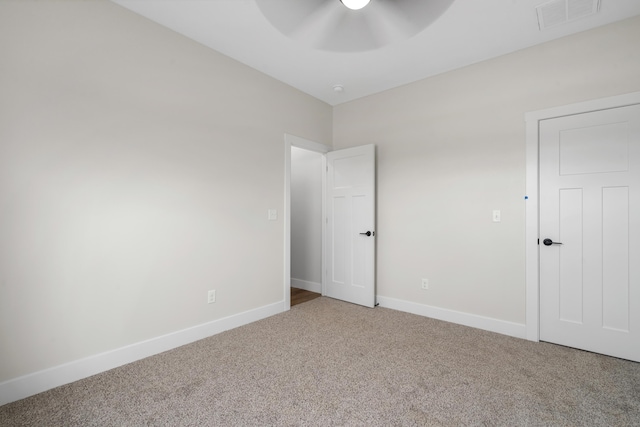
[136, 171]
[452, 148]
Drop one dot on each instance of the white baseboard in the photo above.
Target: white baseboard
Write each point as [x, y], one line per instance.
[37, 382]
[306, 285]
[517, 330]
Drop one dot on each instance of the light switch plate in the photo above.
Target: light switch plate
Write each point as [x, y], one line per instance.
[273, 214]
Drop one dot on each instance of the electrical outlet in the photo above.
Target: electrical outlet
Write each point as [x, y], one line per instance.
[425, 283]
[211, 297]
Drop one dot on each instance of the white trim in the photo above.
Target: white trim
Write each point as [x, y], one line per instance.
[504, 327]
[323, 289]
[306, 285]
[585, 107]
[296, 141]
[37, 382]
[532, 306]
[306, 144]
[287, 224]
[532, 264]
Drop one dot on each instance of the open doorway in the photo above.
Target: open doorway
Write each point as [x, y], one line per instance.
[306, 225]
[347, 222]
[304, 213]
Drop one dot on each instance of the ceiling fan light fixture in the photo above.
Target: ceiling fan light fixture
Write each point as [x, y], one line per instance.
[355, 4]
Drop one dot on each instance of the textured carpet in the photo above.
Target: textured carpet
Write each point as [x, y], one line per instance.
[329, 363]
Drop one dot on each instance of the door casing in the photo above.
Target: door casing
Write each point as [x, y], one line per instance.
[532, 234]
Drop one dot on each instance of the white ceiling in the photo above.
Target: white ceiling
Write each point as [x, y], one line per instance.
[469, 31]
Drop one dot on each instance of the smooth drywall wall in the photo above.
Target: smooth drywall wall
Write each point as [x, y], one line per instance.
[451, 149]
[306, 217]
[136, 172]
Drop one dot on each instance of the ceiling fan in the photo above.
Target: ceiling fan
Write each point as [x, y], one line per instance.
[351, 25]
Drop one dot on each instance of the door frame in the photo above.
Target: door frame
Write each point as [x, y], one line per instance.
[296, 141]
[532, 212]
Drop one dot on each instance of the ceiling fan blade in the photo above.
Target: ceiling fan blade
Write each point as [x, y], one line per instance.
[321, 24]
[411, 16]
[329, 25]
[289, 16]
[350, 32]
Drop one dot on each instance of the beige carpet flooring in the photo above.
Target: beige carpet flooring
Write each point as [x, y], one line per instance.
[329, 363]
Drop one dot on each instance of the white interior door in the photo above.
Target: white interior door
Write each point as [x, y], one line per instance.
[350, 241]
[590, 219]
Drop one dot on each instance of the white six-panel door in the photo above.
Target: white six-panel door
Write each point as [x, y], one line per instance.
[590, 210]
[350, 242]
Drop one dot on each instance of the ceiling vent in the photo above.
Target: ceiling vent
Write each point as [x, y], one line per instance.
[558, 12]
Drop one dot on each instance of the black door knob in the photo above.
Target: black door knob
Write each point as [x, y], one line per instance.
[549, 242]
[368, 233]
